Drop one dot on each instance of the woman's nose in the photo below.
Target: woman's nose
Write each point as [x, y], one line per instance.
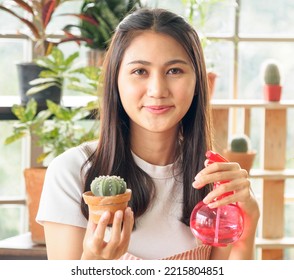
[157, 86]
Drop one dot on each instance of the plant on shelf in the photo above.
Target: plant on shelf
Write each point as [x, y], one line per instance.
[55, 68]
[56, 128]
[36, 15]
[98, 20]
[59, 72]
[239, 150]
[272, 88]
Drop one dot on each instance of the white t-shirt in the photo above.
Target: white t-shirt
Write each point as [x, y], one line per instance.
[159, 232]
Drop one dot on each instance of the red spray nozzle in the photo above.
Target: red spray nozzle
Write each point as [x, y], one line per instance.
[214, 157]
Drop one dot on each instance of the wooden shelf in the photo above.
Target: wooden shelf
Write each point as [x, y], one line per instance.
[252, 103]
[272, 174]
[278, 243]
[272, 150]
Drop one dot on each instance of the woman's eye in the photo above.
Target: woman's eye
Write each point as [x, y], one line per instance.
[140, 72]
[175, 71]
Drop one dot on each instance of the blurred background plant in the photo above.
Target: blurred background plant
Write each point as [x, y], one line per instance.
[56, 128]
[97, 22]
[36, 16]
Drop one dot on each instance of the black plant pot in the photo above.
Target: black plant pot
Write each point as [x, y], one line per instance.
[28, 72]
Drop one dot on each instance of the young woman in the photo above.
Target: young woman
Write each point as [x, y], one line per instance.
[155, 133]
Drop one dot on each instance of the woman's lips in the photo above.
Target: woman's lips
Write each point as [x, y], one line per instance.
[157, 109]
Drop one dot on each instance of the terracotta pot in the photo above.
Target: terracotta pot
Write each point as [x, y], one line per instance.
[245, 160]
[272, 92]
[34, 180]
[99, 204]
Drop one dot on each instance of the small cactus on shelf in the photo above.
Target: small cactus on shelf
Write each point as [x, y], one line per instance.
[108, 186]
[240, 144]
[272, 74]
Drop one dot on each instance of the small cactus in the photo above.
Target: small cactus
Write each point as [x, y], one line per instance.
[272, 74]
[108, 185]
[240, 144]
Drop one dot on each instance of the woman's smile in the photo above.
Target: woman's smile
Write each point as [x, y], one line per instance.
[158, 109]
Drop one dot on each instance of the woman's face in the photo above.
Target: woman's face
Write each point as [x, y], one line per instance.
[156, 82]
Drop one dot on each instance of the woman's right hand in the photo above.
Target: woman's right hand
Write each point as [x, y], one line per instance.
[94, 246]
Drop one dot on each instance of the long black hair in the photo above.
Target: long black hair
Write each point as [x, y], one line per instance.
[113, 155]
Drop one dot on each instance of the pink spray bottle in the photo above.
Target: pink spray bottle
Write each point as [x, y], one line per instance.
[217, 226]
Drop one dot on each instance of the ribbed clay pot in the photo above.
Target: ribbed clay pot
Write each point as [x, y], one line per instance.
[99, 204]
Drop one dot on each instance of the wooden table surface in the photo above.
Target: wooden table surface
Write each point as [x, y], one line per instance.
[21, 247]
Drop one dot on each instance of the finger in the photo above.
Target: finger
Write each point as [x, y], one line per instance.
[228, 172]
[128, 225]
[101, 228]
[111, 247]
[231, 192]
[116, 228]
[91, 227]
[228, 187]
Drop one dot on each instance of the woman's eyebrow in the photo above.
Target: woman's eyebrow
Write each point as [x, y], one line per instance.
[144, 62]
[171, 62]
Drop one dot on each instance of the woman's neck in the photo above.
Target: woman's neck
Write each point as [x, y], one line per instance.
[155, 148]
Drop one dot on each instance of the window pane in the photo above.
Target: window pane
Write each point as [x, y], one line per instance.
[173, 5]
[10, 163]
[214, 23]
[12, 52]
[267, 18]
[251, 58]
[11, 221]
[9, 23]
[219, 59]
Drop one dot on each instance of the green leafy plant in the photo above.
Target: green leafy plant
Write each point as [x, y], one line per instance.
[240, 144]
[56, 128]
[86, 80]
[108, 185]
[57, 68]
[98, 20]
[40, 14]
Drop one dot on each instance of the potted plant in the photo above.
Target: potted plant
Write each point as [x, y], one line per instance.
[36, 16]
[239, 150]
[98, 20]
[108, 193]
[272, 88]
[57, 130]
[55, 69]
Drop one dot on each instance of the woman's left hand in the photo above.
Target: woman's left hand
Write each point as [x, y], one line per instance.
[234, 180]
